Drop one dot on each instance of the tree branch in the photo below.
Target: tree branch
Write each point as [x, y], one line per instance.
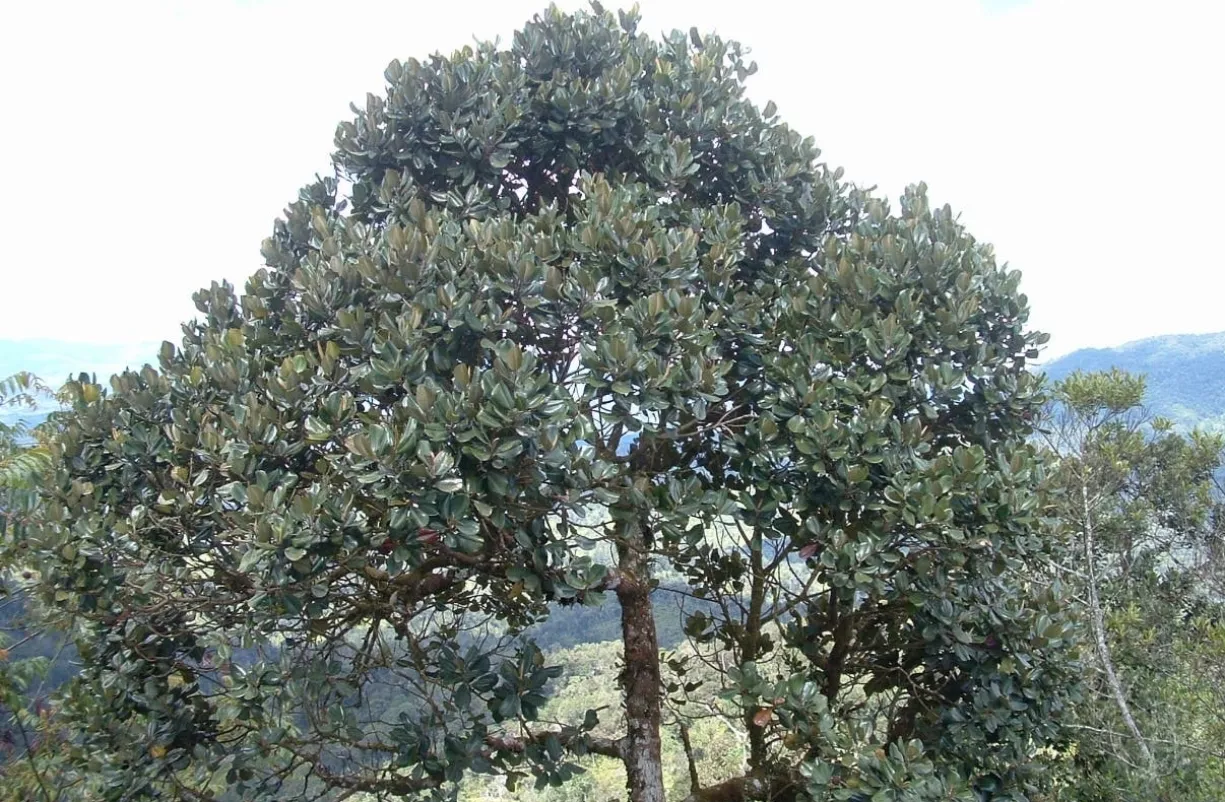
[742, 789]
[1098, 621]
[695, 782]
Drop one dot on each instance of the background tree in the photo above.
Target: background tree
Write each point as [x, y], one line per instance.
[1141, 511]
[22, 457]
[19, 464]
[571, 314]
[35, 761]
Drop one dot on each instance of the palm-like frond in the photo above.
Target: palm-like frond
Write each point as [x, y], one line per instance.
[23, 457]
[22, 390]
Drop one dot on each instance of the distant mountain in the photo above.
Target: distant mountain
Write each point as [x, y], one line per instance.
[1185, 372]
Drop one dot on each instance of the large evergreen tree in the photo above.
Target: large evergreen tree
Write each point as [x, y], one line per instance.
[574, 293]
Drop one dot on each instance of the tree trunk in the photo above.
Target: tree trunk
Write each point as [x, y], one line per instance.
[640, 680]
[1098, 620]
[752, 649]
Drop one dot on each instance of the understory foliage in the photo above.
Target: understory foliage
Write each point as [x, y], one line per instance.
[571, 314]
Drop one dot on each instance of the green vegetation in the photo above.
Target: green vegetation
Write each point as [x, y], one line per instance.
[34, 763]
[587, 438]
[363, 478]
[1142, 519]
[1185, 375]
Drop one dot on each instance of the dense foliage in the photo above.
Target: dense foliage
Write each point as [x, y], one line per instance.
[572, 316]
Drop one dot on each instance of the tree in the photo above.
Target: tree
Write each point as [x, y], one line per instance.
[33, 764]
[574, 294]
[21, 457]
[20, 462]
[1142, 518]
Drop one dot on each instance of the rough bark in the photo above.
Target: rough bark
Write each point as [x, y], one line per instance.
[695, 781]
[1098, 620]
[641, 683]
[840, 623]
[752, 649]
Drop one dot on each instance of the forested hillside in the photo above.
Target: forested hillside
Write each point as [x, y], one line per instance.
[1185, 374]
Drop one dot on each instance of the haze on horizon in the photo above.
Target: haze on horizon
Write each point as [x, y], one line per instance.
[153, 142]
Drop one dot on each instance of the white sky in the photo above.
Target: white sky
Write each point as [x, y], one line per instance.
[151, 144]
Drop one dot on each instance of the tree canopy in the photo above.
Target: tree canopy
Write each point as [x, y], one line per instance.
[570, 314]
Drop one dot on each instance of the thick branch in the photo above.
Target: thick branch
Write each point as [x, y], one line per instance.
[385, 784]
[744, 789]
[569, 738]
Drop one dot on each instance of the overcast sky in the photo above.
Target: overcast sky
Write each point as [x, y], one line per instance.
[149, 145]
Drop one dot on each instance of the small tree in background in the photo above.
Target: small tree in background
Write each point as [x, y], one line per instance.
[22, 456]
[21, 460]
[34, 761]
[1142, 516]
[579, 274]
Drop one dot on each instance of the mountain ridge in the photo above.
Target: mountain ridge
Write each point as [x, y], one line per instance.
[1185, 374]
